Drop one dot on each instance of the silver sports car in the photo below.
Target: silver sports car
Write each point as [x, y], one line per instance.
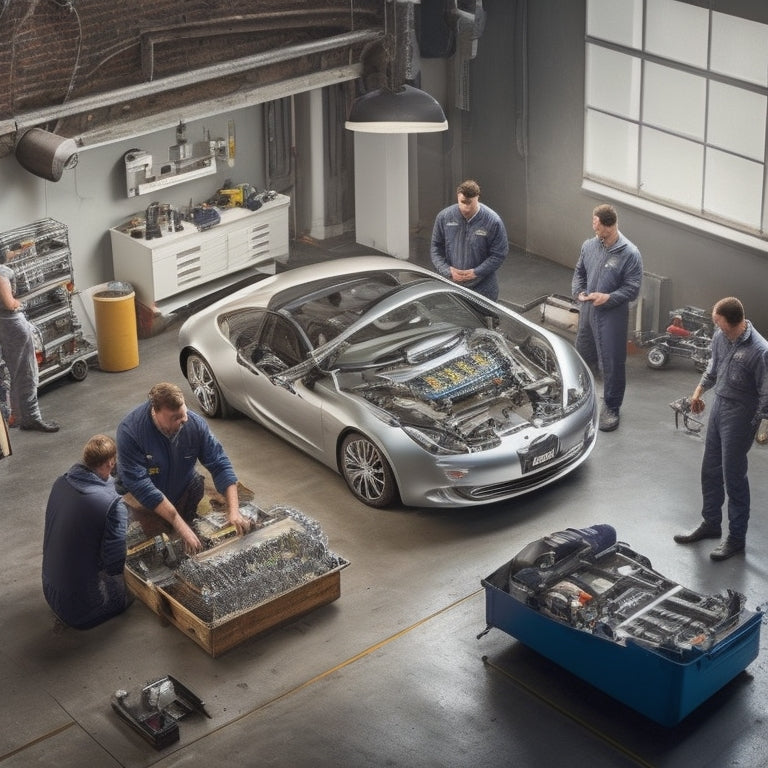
[403, 382]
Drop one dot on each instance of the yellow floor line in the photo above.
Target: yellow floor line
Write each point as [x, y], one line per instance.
[27, 745]
[351, 660]
[579, 721]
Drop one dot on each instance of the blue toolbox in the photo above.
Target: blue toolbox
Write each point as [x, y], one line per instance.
[598, 609]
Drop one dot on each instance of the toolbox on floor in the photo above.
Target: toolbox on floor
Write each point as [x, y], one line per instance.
[605, 615]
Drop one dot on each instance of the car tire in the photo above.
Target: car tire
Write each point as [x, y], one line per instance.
[366, 471]
[657, 357]
[205, 388]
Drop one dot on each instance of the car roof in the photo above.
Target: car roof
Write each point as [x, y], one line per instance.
[279, 290]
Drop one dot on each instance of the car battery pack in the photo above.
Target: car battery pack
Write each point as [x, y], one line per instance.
[598, 609]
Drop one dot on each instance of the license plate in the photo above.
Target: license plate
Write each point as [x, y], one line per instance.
[540, 452]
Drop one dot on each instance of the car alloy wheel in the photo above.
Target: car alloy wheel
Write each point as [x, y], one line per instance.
[366, 471]
[206, 388]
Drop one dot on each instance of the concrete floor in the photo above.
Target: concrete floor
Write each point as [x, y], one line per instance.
[392, 673]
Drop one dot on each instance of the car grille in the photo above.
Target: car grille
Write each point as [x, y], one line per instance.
[500, 490]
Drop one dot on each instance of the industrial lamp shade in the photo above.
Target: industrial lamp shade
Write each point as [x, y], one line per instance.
[45, 154]
[407, 110]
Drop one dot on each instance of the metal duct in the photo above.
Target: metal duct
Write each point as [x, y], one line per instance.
[45, 154]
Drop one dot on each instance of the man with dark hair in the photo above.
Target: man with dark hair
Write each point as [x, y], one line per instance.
[159, 444]
[84, 541]
[607, 278]
[469, 242]
[17, 344]
[738, 373]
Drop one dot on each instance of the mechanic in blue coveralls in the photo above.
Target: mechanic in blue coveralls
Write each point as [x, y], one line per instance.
[469, 242]
[84, 540]
[158, 445]
[607, 278]
[738, 374]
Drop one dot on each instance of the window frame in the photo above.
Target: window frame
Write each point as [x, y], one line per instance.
[627, 184]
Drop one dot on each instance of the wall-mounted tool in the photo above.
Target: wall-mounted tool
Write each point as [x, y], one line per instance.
[186, 161]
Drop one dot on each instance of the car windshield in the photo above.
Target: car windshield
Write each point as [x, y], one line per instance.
[327, 308]
[433, 312]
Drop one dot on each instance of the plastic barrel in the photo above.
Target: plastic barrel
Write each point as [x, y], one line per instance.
[117, 339]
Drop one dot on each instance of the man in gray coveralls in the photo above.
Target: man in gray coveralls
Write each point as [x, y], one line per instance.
[607, 277]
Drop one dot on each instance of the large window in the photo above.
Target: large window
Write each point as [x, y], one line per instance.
[676, 101]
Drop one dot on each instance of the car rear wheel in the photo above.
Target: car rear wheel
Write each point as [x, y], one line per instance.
[367, 472]
[206, 388]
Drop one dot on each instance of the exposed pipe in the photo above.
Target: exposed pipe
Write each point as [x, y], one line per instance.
[98, 101]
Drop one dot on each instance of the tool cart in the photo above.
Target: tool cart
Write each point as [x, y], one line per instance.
[44, 285]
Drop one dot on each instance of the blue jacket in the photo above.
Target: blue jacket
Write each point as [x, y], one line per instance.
[617, 270]
[151, 466]
[480, 244]
[85, 525]
[738, 370]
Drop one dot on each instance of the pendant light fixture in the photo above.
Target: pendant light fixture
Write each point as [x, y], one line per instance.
[394, 107]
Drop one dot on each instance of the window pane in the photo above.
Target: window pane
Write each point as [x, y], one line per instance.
[740, 48]
[674, 100]
[610, 149]
[736, 120]
[613, 82]
[677, 31]
[619, 21]
[672, 168]
[734, 188]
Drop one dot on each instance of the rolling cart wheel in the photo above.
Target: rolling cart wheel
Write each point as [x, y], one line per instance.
[79, 370]
[657, 357]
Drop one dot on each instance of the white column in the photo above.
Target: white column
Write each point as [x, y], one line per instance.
[381, 192]
[316, 169]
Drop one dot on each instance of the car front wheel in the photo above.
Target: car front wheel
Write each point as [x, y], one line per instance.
[205, 388]
[367, 472]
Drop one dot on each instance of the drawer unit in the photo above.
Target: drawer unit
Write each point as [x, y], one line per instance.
[166, 267]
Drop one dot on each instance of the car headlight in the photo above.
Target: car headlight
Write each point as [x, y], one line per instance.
[578, 392]
[435, 440]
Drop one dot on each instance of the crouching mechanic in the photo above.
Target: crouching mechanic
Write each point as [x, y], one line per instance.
[159, 444]
[84, 541]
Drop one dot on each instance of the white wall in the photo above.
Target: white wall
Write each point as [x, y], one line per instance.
[92, 197]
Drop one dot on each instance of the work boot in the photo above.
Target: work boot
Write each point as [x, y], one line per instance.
[704, 531]
[727, 548]
[609, 419]
[40, 426]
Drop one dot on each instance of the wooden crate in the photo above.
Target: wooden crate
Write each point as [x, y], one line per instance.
[218, 637]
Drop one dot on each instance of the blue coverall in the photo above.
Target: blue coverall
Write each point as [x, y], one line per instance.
[738, 372]
[151, 465]
[480, 244]
[601, 338]
[84, 549]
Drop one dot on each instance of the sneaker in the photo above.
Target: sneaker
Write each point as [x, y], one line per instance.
[609, 419]
[728, 548]
[704, 531]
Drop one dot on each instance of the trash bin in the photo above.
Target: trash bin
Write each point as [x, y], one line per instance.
[117, 338]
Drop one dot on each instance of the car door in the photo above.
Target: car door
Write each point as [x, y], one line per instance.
[284, 406]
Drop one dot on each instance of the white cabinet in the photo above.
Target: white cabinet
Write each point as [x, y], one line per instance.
[180, 266]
